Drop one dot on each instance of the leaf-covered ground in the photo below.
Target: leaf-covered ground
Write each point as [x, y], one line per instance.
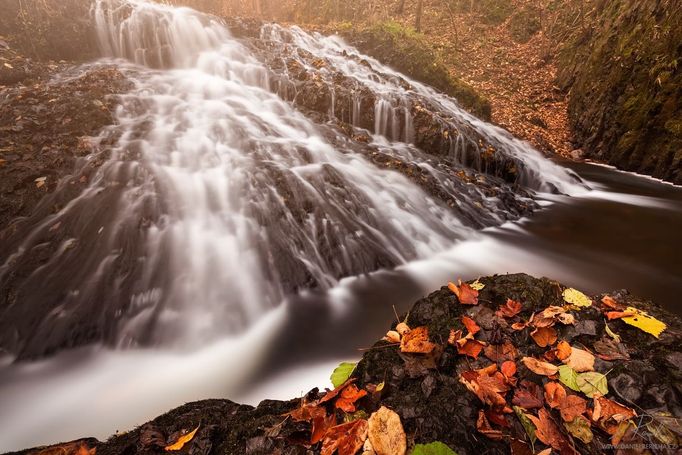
[506, 364]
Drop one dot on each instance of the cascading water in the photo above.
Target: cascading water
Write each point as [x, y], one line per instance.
[220, 198]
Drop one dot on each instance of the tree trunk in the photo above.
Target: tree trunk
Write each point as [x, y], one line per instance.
[401, 7]
[418, 20]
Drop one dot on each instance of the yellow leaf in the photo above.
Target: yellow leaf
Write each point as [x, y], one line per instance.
[577, 298]
[643, 321]
[477, 285]
[182, 440]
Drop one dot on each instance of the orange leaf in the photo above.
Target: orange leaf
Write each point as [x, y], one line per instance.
[333, 393]
[612, 410]
[571, 407]
[539, 367]
[483, 427]
[508, 368]
[554, 394]
[580, 360]
[487, 384]
[563, 350]
[470, 325]
[619, 314]
[544, 336]
[501, 352]
[417, 341]
[472, 348]
[306, 413]
[509, 309]
[321, 425]
[608, 301]
[547, 431]
[346, 438]
[182, 440]
[465, 293]
[349, 395]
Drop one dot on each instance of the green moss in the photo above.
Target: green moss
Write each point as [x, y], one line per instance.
[411, 53]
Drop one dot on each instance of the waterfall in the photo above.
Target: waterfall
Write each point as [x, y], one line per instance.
[220, 197]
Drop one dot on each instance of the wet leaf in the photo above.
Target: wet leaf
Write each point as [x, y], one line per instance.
[610, 409]
[181, 441]
[539, 367]
[526, 397]
[644, 322]
[465, 293]
[342, 373]
[501, 352]
[526, 423]
[554, 394]
[470, 325]
[577, 298]
[432, 448]
[608, 301]
[580, 360]
[346, 438]
[348, 397]
[591, 383]
[580, 428]
[544, 336]
[471, 348]
[488, 385]
[608, 349]
[510, 309]
[611, 333]
[571, 407]
[569, 377]
[416, 341]
[321, 424]
[483, 427]
[563, 350]
[508, 368]
[386, 434]
[547, 431]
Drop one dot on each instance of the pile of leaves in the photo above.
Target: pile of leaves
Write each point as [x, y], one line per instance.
[505, 364]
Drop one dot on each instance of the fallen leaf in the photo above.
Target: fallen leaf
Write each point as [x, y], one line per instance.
[471, 348]
[501, 352]
[470, 325]
[306, 412]
[565, 318]
[432, 448]
[609, 301]
[488, 386]
[580, 428]
[539, 367]
[392, 336]
[385, 432]
[547, 431]
[519, 447]
[611, 315]
[40, 181]
[580, 360]
[508, 368]
[608, 349]
[342, 373]
[611, 333]
[483, 427]
[571, 407]
[321, 424]
[568, 377]
[644, 322]
[577, 298]
[181, 441]
[510, 309]
[497, 417]
[477, 285]
[331, 394]
[402, 328]
[465, 293]
[612, 410]
[526, 423]
[592, 383]
[528, 397]
[544, 336]
[346, 438]
[416, 341]
[348, 397]
[563, 350]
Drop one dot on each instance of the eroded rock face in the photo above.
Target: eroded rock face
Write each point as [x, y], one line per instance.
[432, 403]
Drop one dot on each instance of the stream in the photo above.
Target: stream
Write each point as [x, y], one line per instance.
[237, 244]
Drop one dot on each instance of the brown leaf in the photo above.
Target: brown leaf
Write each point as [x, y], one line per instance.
[386, 433]
[472, 348]
[510, 309]
[571, 407]
[528, 396]
[483, 427]
[497, 417]
[539, 367]
[508, 368]
[547, 431]
[554, 394]
[346, 438]
[321, 424]
[580, 360]
[544, 336]
[465, 293]
[610, 302]
[608, 349]
[619, 314]
[349, 395]
[501, 352]
[488, 386]
[470, 325]
[330, 395]
[416, 341]
[612, 410]
[563, 350]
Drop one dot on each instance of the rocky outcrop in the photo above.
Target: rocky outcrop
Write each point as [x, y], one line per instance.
[622, 68]
[429, 394]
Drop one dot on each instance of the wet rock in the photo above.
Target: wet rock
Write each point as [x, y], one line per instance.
[434, 405]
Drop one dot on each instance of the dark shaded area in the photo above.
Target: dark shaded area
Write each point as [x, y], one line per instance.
[426, 392]
[622, 67]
